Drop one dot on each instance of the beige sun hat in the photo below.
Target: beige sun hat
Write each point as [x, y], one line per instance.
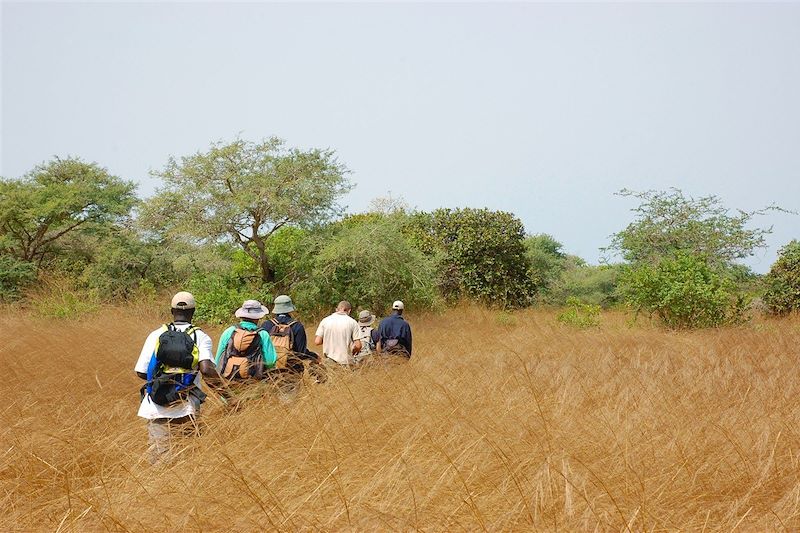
[365, 318]
[252, 309]
[183, 300]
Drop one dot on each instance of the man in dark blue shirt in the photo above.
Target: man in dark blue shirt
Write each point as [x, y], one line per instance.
[394, 333]
[283, 307]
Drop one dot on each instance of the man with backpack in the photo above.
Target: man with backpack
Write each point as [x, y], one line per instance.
[245, 351]
[367, 335]
[394, 333]
[288, 334]
[171, 361]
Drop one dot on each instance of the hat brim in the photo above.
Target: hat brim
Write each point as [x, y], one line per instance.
[281, 309]
[362, 322]
[251, 313]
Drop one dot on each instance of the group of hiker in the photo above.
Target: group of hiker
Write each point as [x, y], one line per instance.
[176, 355]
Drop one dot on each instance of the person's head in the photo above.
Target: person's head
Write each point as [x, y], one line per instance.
[344, 307]
[283, 305]
[251, 311]
[398, 307]
[183, 305]
[365, 318]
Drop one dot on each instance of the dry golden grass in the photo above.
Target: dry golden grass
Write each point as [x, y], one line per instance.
[523, 426]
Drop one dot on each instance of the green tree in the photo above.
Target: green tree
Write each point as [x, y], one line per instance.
[668, 222]
[244, 192]
[783, 281]
[481, 254]
[682, 254]
[56, 200]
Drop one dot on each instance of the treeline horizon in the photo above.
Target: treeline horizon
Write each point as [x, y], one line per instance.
[256, 219]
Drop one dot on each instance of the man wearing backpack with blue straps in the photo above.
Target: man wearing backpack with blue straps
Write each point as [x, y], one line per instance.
[171, 361]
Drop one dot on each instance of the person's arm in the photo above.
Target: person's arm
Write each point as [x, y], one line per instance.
[268, 350]
[356, 336]
[210, 375]
[223, 342]
[320, 334]
[374, 337]
[356, 347]
[299, 338]
[148, 349]
[408, 336]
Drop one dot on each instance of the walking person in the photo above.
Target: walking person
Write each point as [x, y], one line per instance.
[245, 351]
[394, 333]
[171, 361]
[367, 335]
[338, 334]
[289, 334]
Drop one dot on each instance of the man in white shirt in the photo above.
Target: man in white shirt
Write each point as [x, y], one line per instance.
[340, 335]
[178, 416]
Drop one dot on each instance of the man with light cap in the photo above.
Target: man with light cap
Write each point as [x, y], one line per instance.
[394, 333]
[245, 351]
[170, 362]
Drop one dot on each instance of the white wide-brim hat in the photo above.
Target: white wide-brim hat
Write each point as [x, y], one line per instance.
[252, 309]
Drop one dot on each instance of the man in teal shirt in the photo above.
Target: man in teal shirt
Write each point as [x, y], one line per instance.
[250, 313]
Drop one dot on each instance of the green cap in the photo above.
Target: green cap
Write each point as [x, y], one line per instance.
[282, 304]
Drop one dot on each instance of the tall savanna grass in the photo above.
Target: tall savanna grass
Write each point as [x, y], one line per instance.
[499, 422]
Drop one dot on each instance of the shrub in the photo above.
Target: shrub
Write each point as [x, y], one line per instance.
[218, 297]
[124, 263]
[593, 284]
[683, 291]
[782, 295]
[547, 260]
[579, 314]
[58, 297]
[370, 263]
[480, 254]
[15, 275]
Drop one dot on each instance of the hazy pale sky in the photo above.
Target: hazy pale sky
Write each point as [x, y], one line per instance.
[544, 110]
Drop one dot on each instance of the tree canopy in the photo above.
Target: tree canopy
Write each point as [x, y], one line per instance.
[246, 191]
[669, 222]
[57, 199]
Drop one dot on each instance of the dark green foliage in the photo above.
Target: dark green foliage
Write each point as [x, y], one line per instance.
[683, 291]
[219, 296]
[15, 275]
[782, 295]
[369, 261]
[481, 254]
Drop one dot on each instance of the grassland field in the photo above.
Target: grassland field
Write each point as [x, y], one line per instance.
[498, 423]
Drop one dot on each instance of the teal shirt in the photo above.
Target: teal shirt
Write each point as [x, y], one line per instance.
[267, 349]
